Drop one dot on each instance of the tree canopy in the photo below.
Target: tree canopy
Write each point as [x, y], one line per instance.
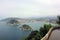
[58, 22]
[37, 35]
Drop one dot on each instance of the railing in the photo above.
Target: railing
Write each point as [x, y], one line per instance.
[46, 37]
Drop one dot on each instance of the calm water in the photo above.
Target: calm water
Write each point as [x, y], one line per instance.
[10, 32]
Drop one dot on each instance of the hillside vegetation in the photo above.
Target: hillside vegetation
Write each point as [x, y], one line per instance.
[37, 35]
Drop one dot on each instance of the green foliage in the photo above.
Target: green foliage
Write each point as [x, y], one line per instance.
[58, 17]
[26, 27]
[32, 35]
[58, 22]
[45, 29]
[37, 35]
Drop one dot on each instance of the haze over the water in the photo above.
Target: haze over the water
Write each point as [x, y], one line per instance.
[29, 8]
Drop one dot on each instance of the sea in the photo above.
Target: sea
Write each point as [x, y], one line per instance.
[13, 32]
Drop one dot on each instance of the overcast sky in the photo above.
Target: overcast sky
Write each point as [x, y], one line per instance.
[29, 8]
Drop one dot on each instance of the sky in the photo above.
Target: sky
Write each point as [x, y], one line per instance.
[29, 8]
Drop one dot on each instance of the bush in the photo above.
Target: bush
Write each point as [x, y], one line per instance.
[32, 35]
[37, 35]
[58, 21]
[45, 29]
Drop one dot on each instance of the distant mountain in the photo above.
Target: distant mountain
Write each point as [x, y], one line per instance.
[8, 19]
[46, 19]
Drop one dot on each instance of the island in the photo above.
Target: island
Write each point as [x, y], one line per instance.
[26, 27]
[13, 22]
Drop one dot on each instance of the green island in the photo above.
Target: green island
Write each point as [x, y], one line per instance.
[26, 27]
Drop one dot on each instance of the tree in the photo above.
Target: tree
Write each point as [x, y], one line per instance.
[37, 35]
[33, 35]
[58, 22]
[26, 27]
[45, 29]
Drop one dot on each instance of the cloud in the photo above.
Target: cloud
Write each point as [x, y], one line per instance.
[29, 8]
